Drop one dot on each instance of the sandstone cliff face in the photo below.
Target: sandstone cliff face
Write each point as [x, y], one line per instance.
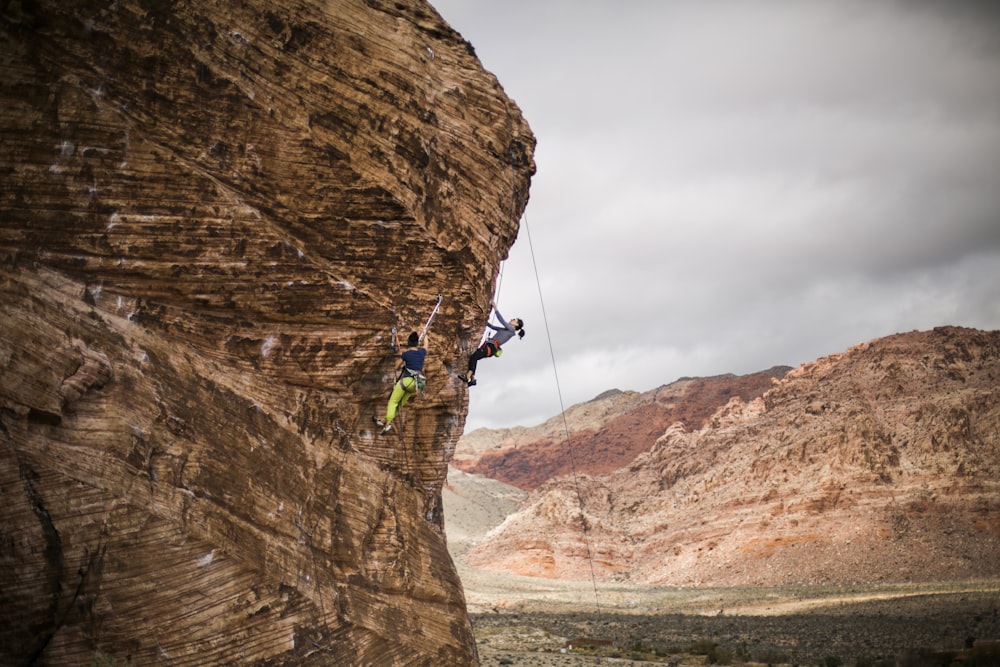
[605, 434]
[212, 216]
[880, 464]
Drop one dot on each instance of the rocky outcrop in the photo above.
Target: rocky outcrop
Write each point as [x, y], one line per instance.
[212, 217]
[604, 434]
[880, 464]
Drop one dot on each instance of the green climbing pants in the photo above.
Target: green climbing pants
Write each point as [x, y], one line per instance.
[401, 393]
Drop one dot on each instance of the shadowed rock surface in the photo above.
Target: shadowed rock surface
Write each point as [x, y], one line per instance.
[212, 216]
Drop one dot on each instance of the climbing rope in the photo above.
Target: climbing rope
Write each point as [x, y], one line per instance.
[562, 410]
[427, 325]
[496, 293]
[555, 371]
[496, 297]
[513, 205]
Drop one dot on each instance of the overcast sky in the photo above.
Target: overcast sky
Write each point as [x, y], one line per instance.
[727, 186]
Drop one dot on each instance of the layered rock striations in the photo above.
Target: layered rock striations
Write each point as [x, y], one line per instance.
[880, 464]
[212, 216]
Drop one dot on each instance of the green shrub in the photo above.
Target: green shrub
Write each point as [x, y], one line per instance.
[772, 658]
[720, 656]
[701, 647]
[983, 656]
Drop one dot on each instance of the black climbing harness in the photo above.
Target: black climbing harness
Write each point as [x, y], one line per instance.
[419, 381]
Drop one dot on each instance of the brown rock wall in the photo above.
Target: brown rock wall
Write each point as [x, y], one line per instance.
[212, 216]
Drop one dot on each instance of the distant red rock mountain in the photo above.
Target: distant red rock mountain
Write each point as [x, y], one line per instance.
[605, 433]
[879, 464]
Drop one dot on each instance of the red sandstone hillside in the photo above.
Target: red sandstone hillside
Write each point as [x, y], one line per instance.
[605, 433]
[875, 465]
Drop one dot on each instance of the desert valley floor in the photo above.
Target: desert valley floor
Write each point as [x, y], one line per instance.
[529, 622]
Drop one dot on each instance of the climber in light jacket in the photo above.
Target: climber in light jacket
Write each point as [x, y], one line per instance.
[491, 348]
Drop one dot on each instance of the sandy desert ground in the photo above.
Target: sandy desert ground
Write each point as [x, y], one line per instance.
[897, 625]
[527, 622]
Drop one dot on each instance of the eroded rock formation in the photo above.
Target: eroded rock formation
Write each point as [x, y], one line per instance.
[212, 216]
[880, 464]
[604, 434]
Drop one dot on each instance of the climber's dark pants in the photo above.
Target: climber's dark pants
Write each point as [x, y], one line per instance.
[487, 349]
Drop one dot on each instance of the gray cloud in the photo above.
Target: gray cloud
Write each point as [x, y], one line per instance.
[727, 186]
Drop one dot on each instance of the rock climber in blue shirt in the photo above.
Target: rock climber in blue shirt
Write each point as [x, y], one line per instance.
[491, 348]
[410, 367]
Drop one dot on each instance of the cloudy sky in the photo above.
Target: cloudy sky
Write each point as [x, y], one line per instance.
[727, 186]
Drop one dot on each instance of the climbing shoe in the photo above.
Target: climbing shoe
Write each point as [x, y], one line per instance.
[472, 382]
[386, 428]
